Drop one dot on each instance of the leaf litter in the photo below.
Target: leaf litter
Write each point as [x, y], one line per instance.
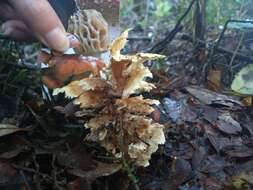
[206, 132]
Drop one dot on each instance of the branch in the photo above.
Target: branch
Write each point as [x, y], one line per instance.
[237, 55]
[171, 34]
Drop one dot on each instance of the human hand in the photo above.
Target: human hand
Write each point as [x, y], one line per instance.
[31, 20]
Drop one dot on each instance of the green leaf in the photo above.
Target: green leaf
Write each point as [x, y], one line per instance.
[243, 81]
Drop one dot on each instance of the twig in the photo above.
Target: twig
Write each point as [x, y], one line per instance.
[31, 170]
[200, 13]
[171, 34]
[43, 175]
[216, 46]
[236, 50]
[222, 50]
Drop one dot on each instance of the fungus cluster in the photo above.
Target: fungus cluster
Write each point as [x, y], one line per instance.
[122, 122]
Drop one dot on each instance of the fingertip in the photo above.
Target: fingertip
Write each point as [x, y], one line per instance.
[56, 39]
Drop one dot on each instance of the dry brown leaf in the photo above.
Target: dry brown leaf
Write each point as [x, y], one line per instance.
[7, 129]
[214, 80]
[247, 101]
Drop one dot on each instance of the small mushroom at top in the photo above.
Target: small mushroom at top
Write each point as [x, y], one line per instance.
[92, 30]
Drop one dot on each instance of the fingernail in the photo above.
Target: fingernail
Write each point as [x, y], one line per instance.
[73, 41]
[57, 40]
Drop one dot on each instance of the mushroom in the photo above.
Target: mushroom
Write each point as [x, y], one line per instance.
[91, 29]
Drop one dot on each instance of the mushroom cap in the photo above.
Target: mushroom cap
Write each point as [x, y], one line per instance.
[109, 8]
[92, 30]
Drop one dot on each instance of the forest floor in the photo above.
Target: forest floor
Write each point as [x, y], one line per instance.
[209, 130]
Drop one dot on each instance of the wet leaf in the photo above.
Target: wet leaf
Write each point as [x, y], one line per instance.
[240, 152]
[100, 170]
[9, 175]
[214, 80]
[243, 178]
[209, 97]
[178, 177]
[80, 184]
[247, 101]
[6, 129]
[243, 81]
[222, 143]
[213, 163]
[227, 124]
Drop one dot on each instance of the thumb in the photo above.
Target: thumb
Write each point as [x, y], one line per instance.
[40, 17]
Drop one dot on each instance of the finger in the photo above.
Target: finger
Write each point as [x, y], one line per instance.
[43, 21]
[17, 30]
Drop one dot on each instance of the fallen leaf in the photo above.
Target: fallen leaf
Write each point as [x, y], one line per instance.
[243, 81]
[198, 156]
[7, 129]
[242, 175]
[9, 176]
[210, 114]
[212, 183]
[209, 97]
[222, 143]
[80, 184]
[68, 110]
[214, 80]
[247, 101]
[240, 152]
[227, 124]
[242, 179]
[176, 178]
[212, 164]
[101, 170]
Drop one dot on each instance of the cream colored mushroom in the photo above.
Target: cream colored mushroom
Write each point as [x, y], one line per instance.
[92, 30]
